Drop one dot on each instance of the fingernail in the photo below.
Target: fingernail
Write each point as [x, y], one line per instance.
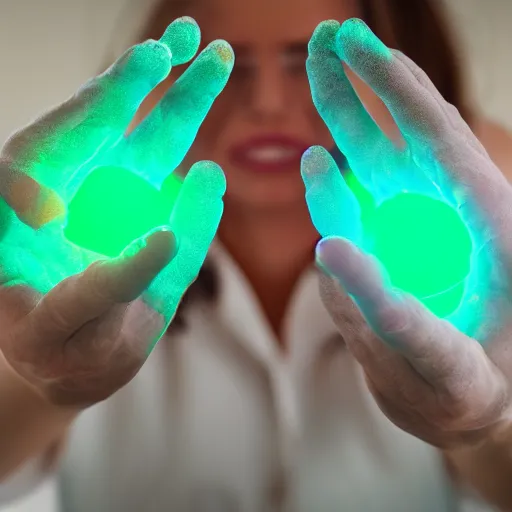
[134, 248]
[225, 52]
[337, 258]
[161, 239]
[50, 207]
[22, 194]
[36, 205]
[313, 162]
[357, 272]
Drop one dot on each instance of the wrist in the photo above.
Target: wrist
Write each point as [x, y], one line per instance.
[13, 385]
[30, 425]
[485, 465]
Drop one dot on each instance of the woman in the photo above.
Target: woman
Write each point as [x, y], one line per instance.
[253, 402]
[261, 80]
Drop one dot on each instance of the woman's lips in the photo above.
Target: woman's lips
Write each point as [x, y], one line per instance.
[270, 153]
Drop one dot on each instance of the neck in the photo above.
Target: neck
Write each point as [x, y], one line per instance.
[272, 249]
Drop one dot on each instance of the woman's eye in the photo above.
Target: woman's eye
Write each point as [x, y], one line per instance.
[244, 66]
[294, 62]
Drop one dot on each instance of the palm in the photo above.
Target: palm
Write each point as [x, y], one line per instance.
[65, 148]
[432, 165]
[430, 376]
[85, 296]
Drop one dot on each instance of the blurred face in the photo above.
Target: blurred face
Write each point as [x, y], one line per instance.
[265, 119]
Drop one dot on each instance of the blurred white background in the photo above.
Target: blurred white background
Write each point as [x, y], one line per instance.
[49, 47]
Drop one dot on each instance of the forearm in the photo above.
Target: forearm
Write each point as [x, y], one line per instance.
[29, 425]
[487, 468]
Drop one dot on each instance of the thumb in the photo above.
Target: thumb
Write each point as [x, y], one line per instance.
[33, 203]
[456, 366]
[434, 348]
[86, 296]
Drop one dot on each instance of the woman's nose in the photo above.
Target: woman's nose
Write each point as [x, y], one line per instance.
[268, 94]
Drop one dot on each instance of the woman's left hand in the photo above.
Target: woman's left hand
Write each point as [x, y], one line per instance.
[446, 381]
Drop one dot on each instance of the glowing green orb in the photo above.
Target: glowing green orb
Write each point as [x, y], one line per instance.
[114, 207]
[5, 217]
[364, 198]
[425, 248]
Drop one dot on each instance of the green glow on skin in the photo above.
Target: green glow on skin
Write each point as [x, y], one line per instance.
[116, 185]
[399, 203]
[421, 242]
[424, 247]
[365, 199]
[5, 217]
[114, 207]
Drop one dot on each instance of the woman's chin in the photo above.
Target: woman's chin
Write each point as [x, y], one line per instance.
[266, 201]
[265, 191]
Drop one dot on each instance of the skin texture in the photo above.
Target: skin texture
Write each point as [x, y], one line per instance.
[264, 249]
[421, 167]
[267, 230]
[77, 327]
[429, 378]
[268, 91]
[160, 267]
[266, 225]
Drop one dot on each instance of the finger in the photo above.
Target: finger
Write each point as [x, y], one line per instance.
[34, 204]
[388, 368]
[60, 142]
[351, 126]
[160, 142]
[424, 80]
[194, 221]
[451, 112]
[83, 298]
[50, 258]
[464, 173]
[435, 349]
[18, 263]
[333, 207]
[443, 427]
[419, 370]
[416, 109]
[182, 37]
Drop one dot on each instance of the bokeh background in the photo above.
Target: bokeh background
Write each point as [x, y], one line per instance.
[49, 47]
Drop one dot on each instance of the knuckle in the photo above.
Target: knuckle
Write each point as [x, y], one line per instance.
[55, 317]
[83, 387]
[57, 312]
[454, 409]
[413, 399]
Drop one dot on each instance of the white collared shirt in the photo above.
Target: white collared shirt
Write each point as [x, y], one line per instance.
[220, 420]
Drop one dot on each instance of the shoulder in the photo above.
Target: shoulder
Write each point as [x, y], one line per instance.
[497, 140]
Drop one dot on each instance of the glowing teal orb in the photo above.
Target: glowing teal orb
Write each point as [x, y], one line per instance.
[113, 207]
[425, 248]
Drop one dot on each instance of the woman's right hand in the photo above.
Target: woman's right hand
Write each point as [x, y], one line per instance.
[74, 326]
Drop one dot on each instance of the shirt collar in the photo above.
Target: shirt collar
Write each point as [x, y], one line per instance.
[307, 325]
